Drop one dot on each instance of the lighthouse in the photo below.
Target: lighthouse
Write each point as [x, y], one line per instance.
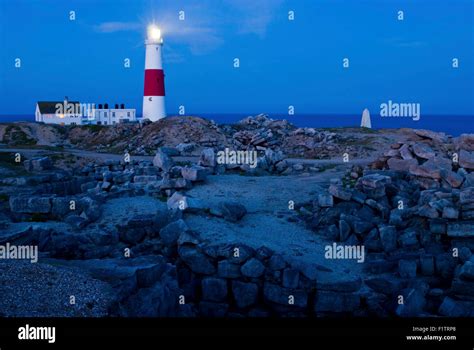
[154, 92]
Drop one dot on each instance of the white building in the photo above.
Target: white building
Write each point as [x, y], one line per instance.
[75, 113]
[53, 112]
[101, 114]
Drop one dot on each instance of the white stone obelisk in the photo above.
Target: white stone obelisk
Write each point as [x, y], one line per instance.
[365, 122]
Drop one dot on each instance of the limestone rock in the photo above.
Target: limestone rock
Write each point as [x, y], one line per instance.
[207, 158]
[214, 289]
[466, 159]
[194, 173]
[252, 268]
[422, 150]
[245, 294]
[230, 211]
[197, 261]
[162, 160]
[401, 164]
[38, 164]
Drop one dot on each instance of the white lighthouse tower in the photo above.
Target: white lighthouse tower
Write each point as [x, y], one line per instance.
[154, 92]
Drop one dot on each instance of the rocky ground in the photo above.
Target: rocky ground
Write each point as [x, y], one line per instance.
[170, 232]
[190, 135]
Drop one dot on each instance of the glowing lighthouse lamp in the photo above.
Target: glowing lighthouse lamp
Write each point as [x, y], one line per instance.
[154, 92]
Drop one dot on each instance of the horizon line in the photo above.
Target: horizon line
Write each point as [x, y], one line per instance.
[196, 114]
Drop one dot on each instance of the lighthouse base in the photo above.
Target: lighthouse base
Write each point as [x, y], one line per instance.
[154, 108]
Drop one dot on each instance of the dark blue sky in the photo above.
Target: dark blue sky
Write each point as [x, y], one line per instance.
[282, 62]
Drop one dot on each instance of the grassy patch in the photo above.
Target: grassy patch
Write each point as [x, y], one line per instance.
[350, 129]
[366, 141]
[60, 129]
[93, 127]
[348, 181]
[15, 136]
[119, 149]
[41, 147]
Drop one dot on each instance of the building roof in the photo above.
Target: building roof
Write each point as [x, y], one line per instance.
[49, 107]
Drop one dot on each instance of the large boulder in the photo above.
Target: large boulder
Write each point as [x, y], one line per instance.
[466, 197]
[467, 271]
[253, 268]
[413, 303]
[373, 184]
[466, 142]
[158, 296]
[38, 164]
[325, 200]
[230, 211]
[340, 192]
[207, 158]
[387, 285]
[431, 135]
[227, 269]
[162, 160]
[30, 204]
[171, 232]
[428, 169]
[388, 238]
[405, 152]
[197, 261]
[455, 308]
[194, 173]
[401, 164]
[273, 157]
[214, 289]
[245, 294]
[466, 159]
[179, 201]
[407, 268]
[453, 179]
[422, 150]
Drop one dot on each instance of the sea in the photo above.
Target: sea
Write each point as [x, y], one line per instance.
[453, 125]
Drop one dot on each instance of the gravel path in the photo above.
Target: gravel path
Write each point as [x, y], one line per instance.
[117, 157]
[266, 199]
[39, 290]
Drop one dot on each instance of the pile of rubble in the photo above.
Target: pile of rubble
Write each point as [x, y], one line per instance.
[414, 216]
[261, 133]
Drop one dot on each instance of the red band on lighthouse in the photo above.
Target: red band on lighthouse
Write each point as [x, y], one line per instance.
[154, 82]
